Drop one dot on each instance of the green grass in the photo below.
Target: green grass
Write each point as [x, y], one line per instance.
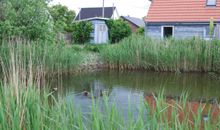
[140, 52]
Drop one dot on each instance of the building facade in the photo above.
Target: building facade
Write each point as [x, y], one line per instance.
[183, 19]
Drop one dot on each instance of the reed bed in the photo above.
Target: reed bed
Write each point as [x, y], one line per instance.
[140, 52]
[25, 106]
[50, 58]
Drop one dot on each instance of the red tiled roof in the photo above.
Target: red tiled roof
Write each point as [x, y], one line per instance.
[182, 11]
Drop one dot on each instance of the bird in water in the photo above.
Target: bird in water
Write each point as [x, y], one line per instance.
[85, 93]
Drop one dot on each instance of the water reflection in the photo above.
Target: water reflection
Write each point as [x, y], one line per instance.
[124, 99]
[131, 88]
[197, 84]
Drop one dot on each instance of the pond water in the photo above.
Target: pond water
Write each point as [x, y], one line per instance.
[199, 85]
[131, 87]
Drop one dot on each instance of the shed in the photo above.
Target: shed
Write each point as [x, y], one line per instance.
[134, 23]
[182, 19]
[100, 31]
[95, 16]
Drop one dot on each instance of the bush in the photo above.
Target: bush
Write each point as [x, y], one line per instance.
[118, 30]
[82, 31]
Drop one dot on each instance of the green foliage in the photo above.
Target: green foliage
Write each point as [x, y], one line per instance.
[211, 27]
[140, 31]
[62, 17]
[25, 18]
[82, 31]
[118, 30]
[139, 52]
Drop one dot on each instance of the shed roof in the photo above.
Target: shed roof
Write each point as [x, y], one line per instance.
[136, 21]
[182, 11]
[88, 13]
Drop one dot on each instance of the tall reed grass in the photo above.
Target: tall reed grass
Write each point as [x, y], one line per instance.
[35, 110]
[51, 58]
[140, 52]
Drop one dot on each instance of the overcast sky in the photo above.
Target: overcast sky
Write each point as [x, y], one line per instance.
[134, 8]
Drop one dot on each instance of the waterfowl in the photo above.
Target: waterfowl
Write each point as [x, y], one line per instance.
[85, 93]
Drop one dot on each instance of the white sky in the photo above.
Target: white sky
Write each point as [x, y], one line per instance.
[134, 8]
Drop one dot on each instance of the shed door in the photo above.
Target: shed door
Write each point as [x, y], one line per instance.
[101, 34]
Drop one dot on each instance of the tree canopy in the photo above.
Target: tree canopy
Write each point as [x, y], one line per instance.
[25, 18]
[62, 17]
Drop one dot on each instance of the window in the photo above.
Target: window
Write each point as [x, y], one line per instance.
[167, 32]
[211, 3]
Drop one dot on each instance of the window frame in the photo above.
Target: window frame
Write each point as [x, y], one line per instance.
[162, 30]
[211, 4]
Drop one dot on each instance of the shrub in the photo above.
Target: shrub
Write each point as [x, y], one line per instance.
[118, 30]
[82, 31]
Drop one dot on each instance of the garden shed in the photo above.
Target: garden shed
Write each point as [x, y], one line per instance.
[98, 17]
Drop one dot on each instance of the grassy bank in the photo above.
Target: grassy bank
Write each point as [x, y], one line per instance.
[139, 52]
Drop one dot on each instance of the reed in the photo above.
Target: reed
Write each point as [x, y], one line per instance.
[51, 58]
[140, 52]
[34, 111]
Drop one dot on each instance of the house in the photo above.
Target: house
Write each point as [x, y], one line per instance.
[134, 23]
[182, 18]
[97, 16]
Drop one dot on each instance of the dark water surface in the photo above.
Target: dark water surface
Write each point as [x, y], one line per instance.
[199, 85]
[129, 88]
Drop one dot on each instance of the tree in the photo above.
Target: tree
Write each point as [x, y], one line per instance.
[118, 30]
[25, 18]
[62, 17]
[82, 31]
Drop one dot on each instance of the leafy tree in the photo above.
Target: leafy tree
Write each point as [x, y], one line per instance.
[62, 17]
[25, 18]
[82, 31]
[118, 29]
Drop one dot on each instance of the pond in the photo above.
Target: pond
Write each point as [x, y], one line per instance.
[131, 87]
